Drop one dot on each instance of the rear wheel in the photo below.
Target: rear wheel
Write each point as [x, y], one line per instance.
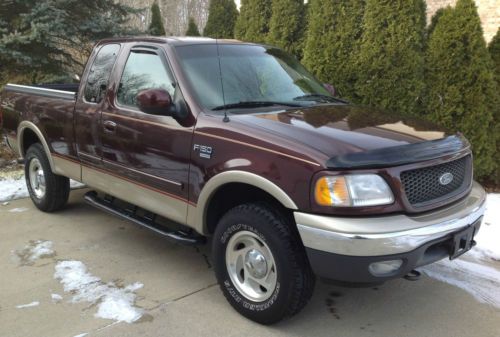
[260, 263]
[48, 191]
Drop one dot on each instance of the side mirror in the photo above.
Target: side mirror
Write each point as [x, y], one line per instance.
[330, 88]
[155, 102]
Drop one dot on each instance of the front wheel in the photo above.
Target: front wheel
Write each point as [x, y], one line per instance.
[260, 263]
[48, 191]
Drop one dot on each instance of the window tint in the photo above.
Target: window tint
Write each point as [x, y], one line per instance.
[97, 79]
[143, 71]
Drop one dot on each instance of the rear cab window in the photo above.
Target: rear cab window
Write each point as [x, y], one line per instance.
[100, 71]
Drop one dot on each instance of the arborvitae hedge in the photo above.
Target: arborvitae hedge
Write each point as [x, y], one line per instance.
[461, 92]
[287, 25]
[253, 22]
[332, 43]
[156, 27]
[192, 28]
[494, 49]
[222, 15]
[391, 55]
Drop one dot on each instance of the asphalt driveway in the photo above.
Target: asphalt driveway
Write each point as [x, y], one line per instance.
[178, 295]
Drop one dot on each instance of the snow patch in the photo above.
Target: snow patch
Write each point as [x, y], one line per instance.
[36, 249]
[18, 210]
[81, 335]
[11, 189]
[29, 305]
[113, 302]
[480, 281]
[56, 298]
[488, 238]
[470, 272]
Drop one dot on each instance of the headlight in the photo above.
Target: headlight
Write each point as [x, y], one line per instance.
[353, 191]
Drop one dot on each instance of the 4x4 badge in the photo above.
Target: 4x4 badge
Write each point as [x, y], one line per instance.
[446, 178]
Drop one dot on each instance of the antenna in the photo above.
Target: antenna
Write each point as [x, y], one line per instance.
[226, 118]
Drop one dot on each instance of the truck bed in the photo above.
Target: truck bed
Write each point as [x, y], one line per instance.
[61, 91]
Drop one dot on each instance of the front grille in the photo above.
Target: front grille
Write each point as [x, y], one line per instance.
[422, 186]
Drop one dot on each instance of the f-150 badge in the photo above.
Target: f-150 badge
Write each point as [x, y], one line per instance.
[205, 151]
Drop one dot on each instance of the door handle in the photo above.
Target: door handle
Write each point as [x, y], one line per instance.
[109, 126]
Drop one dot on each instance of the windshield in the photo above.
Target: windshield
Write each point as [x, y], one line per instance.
[248, 73]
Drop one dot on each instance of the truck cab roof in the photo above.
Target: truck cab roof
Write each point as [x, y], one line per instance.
[174, 40]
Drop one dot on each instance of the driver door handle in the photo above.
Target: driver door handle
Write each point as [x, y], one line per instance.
[109, 126]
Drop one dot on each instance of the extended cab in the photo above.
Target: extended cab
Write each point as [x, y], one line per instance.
[237, 142]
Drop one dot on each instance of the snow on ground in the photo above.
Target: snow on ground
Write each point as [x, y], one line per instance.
[11, 189]
[475, 271]
[56, 298]
[18, 210]
[113, 302]
[29, 305]
[36, 249]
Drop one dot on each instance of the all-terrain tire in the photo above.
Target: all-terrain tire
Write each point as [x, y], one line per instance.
[294, 277]
[56, 191]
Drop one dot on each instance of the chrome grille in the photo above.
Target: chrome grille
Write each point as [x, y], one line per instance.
[422, 186]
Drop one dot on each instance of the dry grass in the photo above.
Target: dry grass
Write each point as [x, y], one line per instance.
[8, 159]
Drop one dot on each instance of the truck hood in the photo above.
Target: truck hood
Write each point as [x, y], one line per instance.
[337, 130]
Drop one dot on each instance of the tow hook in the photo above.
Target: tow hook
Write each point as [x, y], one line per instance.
[413, 275]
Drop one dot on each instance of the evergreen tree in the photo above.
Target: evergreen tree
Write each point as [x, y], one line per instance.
[156, 26]
[494, 49]
[286, 28]
[333, 41]
[222, 16]
[391, 55]
[462, 93]
[40, 38]
[253, 22]
[192, 28]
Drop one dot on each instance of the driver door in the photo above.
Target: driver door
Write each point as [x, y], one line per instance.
[149, 153]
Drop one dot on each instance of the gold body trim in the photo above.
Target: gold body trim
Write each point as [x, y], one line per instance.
[25, 125]
[196, 214]
[67, 168]
[152, 200]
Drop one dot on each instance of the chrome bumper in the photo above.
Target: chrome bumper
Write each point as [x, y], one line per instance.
[386, 235]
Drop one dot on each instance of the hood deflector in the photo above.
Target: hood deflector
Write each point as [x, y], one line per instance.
[400, 155]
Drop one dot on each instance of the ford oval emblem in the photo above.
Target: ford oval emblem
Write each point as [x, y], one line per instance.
[446, 178]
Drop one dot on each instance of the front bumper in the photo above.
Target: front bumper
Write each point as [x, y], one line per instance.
[341, 248]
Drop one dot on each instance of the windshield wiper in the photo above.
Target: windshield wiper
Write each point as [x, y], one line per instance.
[254, 104]
[319, 98]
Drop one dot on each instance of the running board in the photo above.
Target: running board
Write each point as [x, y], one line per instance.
[107, 205]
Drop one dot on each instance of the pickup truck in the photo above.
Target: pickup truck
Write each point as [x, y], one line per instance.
[237, 144]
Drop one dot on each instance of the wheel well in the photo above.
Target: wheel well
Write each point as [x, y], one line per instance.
[234, 194]
[29, 138]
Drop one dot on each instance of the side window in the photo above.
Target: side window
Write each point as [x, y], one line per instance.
[143, 71]
[97, 79]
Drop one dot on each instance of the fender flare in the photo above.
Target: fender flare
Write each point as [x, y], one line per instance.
[25, 125]
[196, 217]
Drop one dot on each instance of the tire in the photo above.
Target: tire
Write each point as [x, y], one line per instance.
[265, 292]
[48, 191]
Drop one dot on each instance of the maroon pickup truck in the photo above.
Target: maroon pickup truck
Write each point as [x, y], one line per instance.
[237, 142]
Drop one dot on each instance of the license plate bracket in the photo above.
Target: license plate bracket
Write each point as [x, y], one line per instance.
[463, 241]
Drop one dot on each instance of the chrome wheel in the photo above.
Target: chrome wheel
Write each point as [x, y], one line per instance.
[251, 267]
[37, 178]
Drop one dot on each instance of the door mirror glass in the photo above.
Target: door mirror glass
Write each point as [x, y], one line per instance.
[155, 102]
[330, 88]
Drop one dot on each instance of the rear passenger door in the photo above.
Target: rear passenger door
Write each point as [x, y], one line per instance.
[150, 152]
[91, 100]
